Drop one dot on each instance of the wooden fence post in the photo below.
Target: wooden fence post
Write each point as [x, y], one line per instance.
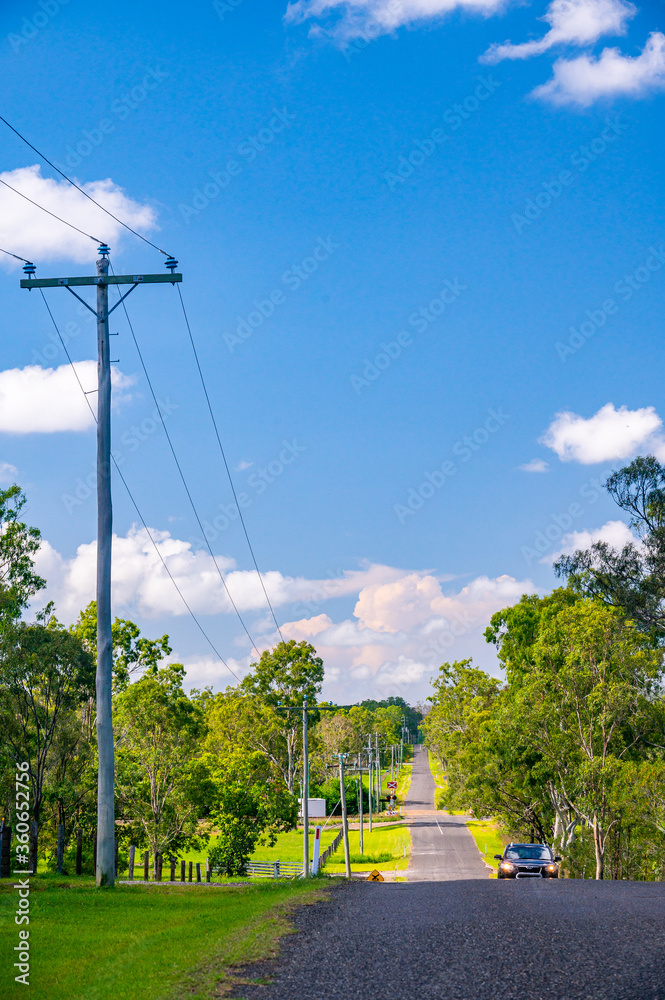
[172, 869]
[191, 868]
[146, 866]
[79, 851]
[132, 854]
[182, 872]
[60, 855]
[158, 866]
[198, 871]
[207, 869]
[115, 857]
[5, 851]
[94, 852]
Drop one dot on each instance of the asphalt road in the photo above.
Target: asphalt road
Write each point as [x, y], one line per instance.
[448, 935]
[442, 847]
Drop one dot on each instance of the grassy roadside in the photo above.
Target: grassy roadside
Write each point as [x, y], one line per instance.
[143, 942]
[489, 840]
[383, 849]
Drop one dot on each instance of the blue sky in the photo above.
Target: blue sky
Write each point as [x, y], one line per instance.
[414, 263]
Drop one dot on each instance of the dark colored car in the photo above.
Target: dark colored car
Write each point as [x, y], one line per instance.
[528, 861]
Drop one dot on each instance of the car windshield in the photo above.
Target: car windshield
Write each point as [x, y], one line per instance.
[528, 852]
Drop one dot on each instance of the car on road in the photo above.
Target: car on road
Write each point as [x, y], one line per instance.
[528, 861]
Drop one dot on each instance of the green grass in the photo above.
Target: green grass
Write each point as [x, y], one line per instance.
[142, 942]
[389, 843]
[488, 837]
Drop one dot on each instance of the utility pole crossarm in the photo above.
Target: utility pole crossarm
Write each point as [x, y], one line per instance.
[107, 279]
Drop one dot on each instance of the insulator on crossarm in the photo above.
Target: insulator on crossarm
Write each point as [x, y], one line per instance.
[103, 249]
[171, 263]
[29, 269]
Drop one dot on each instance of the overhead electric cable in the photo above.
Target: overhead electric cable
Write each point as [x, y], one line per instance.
[15, 256]
[78, 188]
[48, 212]
[184, 481]
[226, 464]
[135, 505]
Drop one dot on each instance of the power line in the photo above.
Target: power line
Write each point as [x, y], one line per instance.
[226, 464]
[15, 256]
[48, 212]
[78, 188]
[182, 477]
[134, 503]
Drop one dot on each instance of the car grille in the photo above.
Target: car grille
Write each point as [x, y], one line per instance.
[528, 871]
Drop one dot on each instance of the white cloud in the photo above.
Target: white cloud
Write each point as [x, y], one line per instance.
[402, 628]
[8, 472]
[572, 22]
[371, 18]
[35, 235]
[535, 465]
[46, 400]
[583, 80]
[615, 533]
[608, 435]
[241, 466]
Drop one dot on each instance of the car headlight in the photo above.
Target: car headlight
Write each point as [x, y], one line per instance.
[551, 868]
[506, 865]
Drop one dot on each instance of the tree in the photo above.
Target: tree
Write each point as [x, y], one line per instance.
[44, 673]
[284, 677]
[631, 578]
[18, 544]
[159, 731]
[132, 652]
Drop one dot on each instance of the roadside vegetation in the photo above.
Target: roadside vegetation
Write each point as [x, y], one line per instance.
[199, 774]
[147, 942]
[570, 748]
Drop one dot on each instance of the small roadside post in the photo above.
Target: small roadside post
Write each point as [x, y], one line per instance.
[317, 850]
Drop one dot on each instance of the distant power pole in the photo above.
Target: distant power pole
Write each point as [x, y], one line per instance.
[345, 821]
[105, 866]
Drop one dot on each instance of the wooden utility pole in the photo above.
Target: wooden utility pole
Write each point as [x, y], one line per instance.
[345, 822]
[105, 858]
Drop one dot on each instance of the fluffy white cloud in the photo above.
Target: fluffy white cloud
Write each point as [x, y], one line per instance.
[608, 435]
[572, 22]
[615, 533]
[35, 235]
[46, 400]
[535, 465]
[140, 581]
[402, 628]
[371, 18]
[586, 79]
